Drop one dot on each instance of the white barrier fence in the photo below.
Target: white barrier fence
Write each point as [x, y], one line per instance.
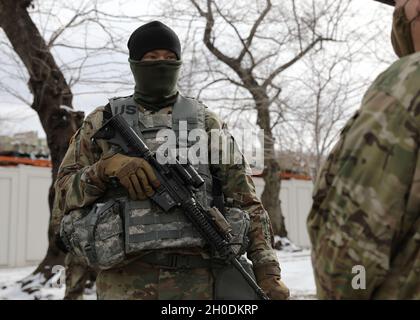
[24, 213]
[296, 201]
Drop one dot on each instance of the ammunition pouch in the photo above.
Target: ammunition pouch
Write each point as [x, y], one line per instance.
[102, 238]
[147, 227]
[95, 235]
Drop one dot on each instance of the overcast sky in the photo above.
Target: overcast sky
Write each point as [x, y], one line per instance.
[22, 118]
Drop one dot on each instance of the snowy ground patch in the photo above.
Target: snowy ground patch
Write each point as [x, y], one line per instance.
[20, 284]
[285, 245]
[296, 273]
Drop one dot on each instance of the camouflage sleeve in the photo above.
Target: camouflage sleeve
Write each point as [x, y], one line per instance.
[77, 185]
[360, 197]
[237, 184]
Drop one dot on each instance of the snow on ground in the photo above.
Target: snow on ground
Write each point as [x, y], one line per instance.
[11, 287]
[285, 245]
[296, 273]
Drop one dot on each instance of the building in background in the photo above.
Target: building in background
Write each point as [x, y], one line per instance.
[24, 144]
[298, 163]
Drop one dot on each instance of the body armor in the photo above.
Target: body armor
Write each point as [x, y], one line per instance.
[116, 227]
[147, 226]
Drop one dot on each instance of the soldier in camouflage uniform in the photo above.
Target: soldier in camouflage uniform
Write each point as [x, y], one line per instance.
[366, 209]
[85, 170]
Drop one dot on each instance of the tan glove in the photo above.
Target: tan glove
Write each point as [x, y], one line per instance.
[134, 174]
[268, 278]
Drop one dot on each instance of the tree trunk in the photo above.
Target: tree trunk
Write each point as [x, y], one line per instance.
[50, 91]
[271, 174]
[270, 197]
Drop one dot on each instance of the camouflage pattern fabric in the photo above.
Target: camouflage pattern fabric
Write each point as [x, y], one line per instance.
[78, 277]
[77, 186]
[139, 281]
[95, 236]
[366, 207]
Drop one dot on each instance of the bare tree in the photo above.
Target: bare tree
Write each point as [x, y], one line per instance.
[329, 94]
[330, 87]
[52, 60]
[88, 45]
[259, 41]
[50, 91]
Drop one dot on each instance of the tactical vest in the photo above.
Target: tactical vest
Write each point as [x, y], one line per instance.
[147, 226]
[115, 226]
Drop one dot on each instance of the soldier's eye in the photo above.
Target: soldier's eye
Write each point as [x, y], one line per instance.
[150, 57]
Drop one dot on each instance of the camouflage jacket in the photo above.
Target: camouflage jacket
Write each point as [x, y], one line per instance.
[77, 185]
[366, 209]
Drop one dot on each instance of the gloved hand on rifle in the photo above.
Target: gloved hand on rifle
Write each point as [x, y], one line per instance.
[133, 173]
[268, 278]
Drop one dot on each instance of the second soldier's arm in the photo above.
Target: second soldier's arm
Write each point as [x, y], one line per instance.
[362, 199]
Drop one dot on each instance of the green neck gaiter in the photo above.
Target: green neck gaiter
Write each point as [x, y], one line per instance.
[401, 38]
[156, 82]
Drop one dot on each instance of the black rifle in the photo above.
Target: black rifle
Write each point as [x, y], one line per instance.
[177, 181]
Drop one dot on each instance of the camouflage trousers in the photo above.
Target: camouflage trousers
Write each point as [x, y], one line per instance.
[141, 281]
[78, 277]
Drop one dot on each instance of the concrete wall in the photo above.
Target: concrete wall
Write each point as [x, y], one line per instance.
[24, 214]
[296, 201]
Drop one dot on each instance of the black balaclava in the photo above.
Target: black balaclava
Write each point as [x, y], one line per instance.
[156, 81]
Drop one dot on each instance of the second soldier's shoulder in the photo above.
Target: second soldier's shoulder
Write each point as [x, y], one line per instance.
[401, 80]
